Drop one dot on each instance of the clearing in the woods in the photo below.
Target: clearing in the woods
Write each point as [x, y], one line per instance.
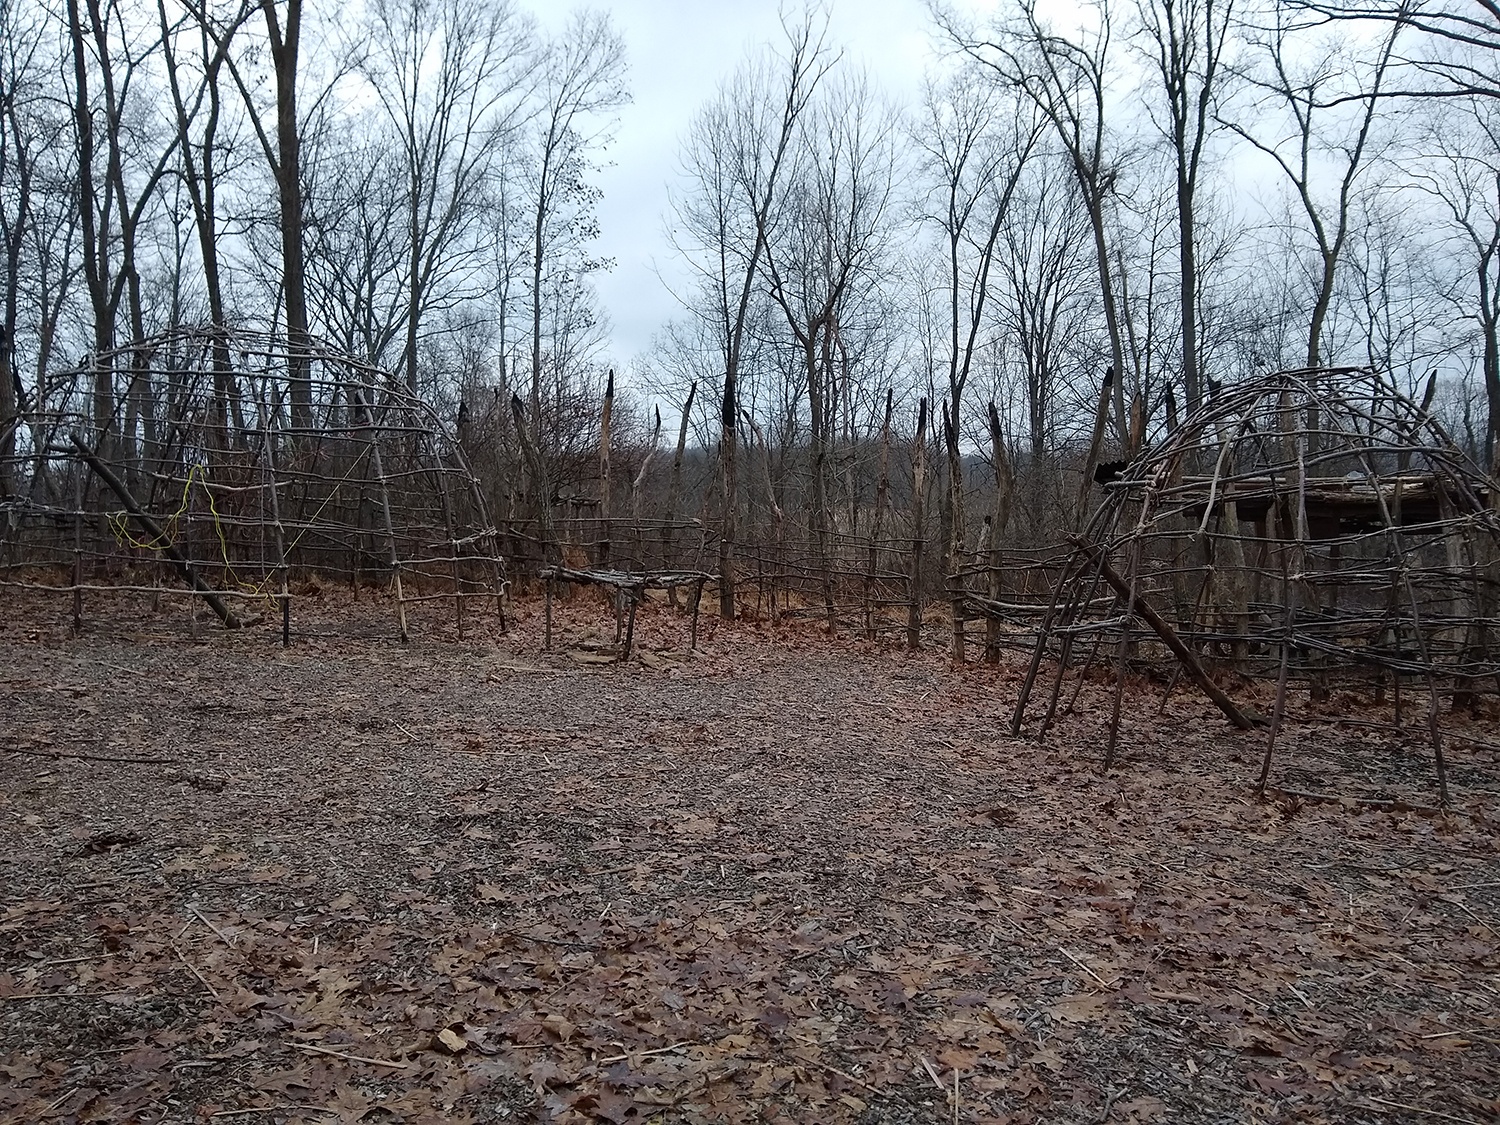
[783, 879]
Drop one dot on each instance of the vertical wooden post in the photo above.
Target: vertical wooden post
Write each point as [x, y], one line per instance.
[78, 550]
[995, 530]
[604, 427]
[279, 533]
[385, 510]
[1096, 440]
[630, 626]
[918, 531]
[877, 526]
[954, 579]
[674, 491]
[547, 626]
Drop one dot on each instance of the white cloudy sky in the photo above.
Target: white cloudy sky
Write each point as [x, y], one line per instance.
[680, 51]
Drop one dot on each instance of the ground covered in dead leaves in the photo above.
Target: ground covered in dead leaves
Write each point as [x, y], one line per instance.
[785, 879]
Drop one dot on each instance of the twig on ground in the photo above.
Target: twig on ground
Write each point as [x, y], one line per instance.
[267, 1109]
[628, 1055]
[933, 1074]
[92, 757]
[1476, 917]
[847, 1077]
[1086, 969]
[351, 1058]
[212, 991]
[198, 914]
[1374, 802]
[1419, 1109]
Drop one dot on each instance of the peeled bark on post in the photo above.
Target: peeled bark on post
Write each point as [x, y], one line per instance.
[778, 517]
[918, 531]
[150, 527]
[604, 425]
[639, 482]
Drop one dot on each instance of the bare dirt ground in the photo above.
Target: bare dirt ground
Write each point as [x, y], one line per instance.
[785, 879]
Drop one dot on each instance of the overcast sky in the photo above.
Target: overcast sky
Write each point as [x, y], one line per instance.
[680, 51]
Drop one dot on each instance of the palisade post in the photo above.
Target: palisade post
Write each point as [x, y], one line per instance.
[674, 489]
[385, 509]
[918, 531]
[278, 532]
[605, 420]
[877, 526]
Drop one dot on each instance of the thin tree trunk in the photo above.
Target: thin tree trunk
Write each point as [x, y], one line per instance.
[605, 420]
[674, 491]
[877, 522]
[918, 531]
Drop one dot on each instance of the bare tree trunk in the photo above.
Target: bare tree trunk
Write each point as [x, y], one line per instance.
[877, 522]
[674, 490]
[604, 426]
[284, 45]
[728, 443]
[551, 551]
[995, 524]
[918, 531]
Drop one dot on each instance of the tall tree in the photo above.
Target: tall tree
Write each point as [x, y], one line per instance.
[834, 230]
[1327, 143]
[580, 89]
[975, 140]
[1187, 40]
[736, 156]
[1067, 80]
[450, 77]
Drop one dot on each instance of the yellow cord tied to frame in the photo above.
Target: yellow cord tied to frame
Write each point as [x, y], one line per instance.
[120, 526]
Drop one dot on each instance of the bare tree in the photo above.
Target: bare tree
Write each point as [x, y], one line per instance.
[735, 158]
[24, 134]
[450, 76]
[581, 86]
[1463, 175]
[1322, 140]
[1187, 40]
[1067, 80]
[975, 141]
[834, 229]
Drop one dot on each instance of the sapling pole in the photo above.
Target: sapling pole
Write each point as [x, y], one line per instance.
[184, 569]
[918, 533]
[385, 509]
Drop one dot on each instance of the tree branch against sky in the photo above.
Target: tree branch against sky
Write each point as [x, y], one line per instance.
[1322, 144]
[735, 160]
[1067, 80]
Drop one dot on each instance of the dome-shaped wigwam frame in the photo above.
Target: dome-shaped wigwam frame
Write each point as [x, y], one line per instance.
[237, 465]
[1313, 525]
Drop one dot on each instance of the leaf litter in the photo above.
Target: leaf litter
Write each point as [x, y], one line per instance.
[785, 878]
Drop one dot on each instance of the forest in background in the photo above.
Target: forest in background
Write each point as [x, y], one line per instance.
[1185, 193]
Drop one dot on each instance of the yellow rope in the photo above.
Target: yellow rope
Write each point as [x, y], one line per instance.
[169, 536]
[121, 528]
